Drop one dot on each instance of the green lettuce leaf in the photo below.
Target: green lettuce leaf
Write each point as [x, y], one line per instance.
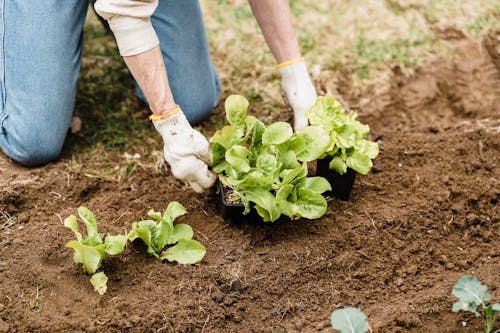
[309, 143]
[115, 244]
[71, 223]
[93, 237]
[277, 133]
[236, 107]
[350, 320]
[99, 281]
[89, 256]
[237, 157]
[185, 252]
[470, 293]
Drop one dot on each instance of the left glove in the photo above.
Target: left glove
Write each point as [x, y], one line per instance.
[297, 90]
[186, 151]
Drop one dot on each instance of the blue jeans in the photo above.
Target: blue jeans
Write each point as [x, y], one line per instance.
[40, 53]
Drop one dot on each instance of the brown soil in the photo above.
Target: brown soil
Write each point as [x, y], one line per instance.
[425, 216]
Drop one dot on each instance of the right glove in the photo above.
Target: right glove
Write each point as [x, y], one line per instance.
[297, 90]
[186, 150]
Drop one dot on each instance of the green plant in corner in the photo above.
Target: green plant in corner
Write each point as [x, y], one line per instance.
[91, 250]
[471, 294]
[266, 165]
[348, 147]
[350, 320]
[161, 232]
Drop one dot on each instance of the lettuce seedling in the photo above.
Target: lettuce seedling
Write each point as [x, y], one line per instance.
[471, 294]
[90, 251]
[266, 165]
[348, 147]
[160, 232]
[350, 320]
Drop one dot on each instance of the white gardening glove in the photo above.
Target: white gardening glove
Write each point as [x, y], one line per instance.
[297, 90]
[186, 151]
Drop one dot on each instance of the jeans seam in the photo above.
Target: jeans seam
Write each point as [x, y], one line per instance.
[3, 116]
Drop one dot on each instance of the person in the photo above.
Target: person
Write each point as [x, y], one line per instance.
[164, 45]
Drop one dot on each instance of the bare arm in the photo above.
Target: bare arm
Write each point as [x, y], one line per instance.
[148, 69]
[275, 21]
[138, 44]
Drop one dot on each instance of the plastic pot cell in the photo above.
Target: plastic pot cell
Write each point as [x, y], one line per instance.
[229, 205]
[341, 184]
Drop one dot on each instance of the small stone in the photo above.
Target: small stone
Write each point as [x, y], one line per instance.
[399, 282]
[2, 307]
[75, 125]
[449, 265]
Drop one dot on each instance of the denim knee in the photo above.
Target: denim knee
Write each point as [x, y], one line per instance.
[30, 149]
[36, 137]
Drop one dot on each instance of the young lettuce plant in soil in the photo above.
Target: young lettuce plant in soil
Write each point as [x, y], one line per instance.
[348, 150]
[161, 232]
[350, 320]
[91, 250]
[471, 294]
[266, 166]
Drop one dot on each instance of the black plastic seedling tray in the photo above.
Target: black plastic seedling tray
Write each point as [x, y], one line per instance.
[229, 210]
[233, 211]
[341, 184]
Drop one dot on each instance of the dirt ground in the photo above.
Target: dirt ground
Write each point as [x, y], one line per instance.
[425, 216]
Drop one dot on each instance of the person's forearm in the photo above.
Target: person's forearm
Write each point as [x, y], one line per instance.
[275, 21]
[148, 69]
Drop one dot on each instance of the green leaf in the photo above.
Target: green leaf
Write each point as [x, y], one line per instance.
[312, 205]
[173, 211]
[359, 162]
[99, 281]
[338, 165]
[370, 148]
[219, 163]
[285, 203]
[115, 244]
[93, 237]
[185, 252]
[317, 184]
[267, 164]
[71, 223]
[277, 133]
[236, 107]
[265, 203]
[237, 156]
[293, 175]
[470, 293]
[144, 233]
[256, 144]
[289, 160]
[227, 137]
[310, 143]
[181, 231]
[89, 256]
[155, 215]
[350, 320]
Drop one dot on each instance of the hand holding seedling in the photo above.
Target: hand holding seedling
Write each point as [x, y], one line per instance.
[186, 151]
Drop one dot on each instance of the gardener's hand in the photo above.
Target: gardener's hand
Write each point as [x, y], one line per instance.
[297, 90]
[185, 150]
